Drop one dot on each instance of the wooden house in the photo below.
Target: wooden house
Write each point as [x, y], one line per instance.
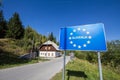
[49, 50]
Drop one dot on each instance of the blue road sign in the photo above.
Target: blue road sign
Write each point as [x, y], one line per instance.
[86, 37]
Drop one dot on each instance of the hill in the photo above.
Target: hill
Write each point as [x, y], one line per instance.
[83, 70]
[9, 53]
[9, 46]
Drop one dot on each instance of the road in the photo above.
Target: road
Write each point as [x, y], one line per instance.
[38, 71]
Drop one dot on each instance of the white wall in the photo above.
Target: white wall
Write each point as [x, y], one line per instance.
[47, 53]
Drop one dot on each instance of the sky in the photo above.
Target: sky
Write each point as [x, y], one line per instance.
[47, 16]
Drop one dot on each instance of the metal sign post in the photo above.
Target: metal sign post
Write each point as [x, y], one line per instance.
[64, 61]
[99, 65]
[64, 57]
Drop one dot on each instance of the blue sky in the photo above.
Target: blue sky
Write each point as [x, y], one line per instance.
[50, 15]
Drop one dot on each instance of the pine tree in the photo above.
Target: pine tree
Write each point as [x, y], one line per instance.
[51, 37]
[15, 27]
[3, 25]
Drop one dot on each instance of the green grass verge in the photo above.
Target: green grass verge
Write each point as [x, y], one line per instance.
[3, 66]
[20, 62]
[83, 70]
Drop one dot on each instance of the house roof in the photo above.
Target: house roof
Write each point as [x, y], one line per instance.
[51, 43]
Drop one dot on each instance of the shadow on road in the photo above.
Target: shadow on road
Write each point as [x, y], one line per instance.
[76, 73]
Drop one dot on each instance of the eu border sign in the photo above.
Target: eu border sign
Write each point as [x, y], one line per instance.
[85, 37]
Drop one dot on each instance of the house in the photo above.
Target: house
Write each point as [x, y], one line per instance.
[49, 50]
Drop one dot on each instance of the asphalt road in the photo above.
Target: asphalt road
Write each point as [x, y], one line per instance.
[38, 71]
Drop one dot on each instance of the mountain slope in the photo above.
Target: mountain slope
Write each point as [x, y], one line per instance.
[9, 53]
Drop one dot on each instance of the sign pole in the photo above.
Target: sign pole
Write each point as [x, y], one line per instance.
[64, 60]
[100, 67]
[64, 56]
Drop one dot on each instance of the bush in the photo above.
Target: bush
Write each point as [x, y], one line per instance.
[80, 55]
[91, 57]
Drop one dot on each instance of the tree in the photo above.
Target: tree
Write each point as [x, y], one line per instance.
[32, 38]
[3, 25]
[43, 39]
[112, 56]
[51, 37]
[15, 27]
[29, 33]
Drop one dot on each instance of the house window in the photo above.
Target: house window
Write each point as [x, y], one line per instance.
[45, 48]
[45, 54]
[48, 54]
[49, 48]
[52, 54]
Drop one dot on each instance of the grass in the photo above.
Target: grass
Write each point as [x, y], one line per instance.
[9, 45]
[3, 66]
[83, 70]
[19, 62]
